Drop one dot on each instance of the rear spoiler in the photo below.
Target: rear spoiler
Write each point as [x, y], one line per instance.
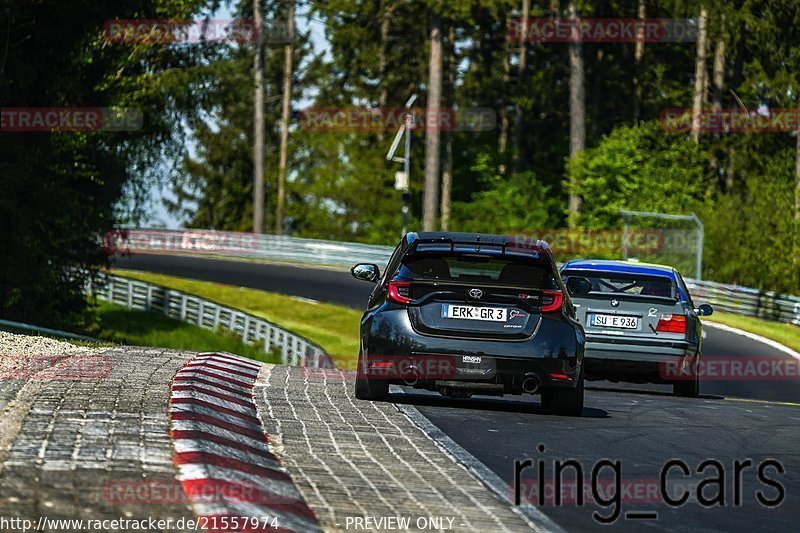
[520, 248]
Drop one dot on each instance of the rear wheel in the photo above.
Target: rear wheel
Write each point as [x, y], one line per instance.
[370, 389]
[687, 389]
[564, 401]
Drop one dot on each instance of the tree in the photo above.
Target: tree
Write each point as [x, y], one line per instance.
[577, 111]
[699, 74]
[61, 191]
[432, 130]
[447, 171]
[522, 65]
[639, 168]
[258, 120]
[285, 109]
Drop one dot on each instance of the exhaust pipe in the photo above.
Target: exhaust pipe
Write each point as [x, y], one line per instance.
[410, 376]
[530, 383]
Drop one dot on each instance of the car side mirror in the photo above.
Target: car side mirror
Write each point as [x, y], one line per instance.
[366, 271]
[579, 285]
[704, 310]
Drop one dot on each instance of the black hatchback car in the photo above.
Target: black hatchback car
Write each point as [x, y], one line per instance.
[466, 313]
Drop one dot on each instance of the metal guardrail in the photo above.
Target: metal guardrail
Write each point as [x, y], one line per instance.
[135, 294]
[732, 298]
[746, 301]
[249, 245]
[29, 329]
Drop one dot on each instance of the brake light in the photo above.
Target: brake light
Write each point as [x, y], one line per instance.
[400, 291]
[672, 324]
[551, 301]
[558, 375]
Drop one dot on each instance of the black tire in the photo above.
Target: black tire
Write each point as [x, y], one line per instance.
[370, 389]
[687, 389]
[564, 401]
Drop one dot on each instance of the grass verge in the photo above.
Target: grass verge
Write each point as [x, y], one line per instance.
[786, 334]
[140, 328]
[333, 327]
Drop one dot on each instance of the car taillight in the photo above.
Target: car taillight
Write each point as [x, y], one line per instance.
[551, 301]
[400, 291]
[672, 324]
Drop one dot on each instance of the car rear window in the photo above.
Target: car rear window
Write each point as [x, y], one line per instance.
[629, 284]
[477, 268]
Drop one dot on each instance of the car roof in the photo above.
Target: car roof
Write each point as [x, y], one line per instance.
[622, 267]
[468, 238]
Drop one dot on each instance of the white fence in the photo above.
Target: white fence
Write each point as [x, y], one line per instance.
[731, 298]
[134, 294]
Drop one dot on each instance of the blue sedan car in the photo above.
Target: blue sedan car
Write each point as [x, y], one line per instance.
[640, 322]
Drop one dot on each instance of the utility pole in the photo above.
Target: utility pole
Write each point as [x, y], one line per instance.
[286, 108]
[258, 121]
[401, 181]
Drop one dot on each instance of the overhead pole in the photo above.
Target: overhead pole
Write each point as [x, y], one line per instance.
[402, 178]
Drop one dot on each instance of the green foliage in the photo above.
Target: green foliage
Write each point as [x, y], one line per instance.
[751, 237]
[639, 168]
[59, 190]
[508, 205]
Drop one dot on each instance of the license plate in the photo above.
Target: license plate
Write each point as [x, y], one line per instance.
[614, 321]
[469, 312]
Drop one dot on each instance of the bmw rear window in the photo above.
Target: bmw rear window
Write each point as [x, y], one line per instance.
[478, 268]
[608, 283]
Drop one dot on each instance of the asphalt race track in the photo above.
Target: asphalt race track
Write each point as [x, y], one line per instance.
[642, 427]
[325, 285]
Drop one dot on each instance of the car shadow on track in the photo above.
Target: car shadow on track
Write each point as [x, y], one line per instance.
[633, 388]
[483, 403]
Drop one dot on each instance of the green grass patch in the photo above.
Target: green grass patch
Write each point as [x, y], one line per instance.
[141, 328]
[333, 327]
[786, 334]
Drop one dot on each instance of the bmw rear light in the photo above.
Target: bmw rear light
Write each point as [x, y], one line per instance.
[551, 301]
[400, 291]
[672, 324]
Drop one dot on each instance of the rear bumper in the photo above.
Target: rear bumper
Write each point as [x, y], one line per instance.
[637, 361]
[389, 338]
[497, 374]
